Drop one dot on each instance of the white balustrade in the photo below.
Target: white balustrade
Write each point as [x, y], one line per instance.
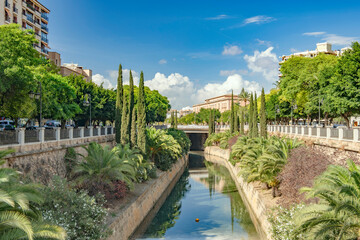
[71, 132]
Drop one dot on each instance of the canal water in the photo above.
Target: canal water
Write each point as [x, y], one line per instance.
[205, 191]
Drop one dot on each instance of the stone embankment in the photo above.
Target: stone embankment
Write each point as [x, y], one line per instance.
[145, 198]
[257, 200]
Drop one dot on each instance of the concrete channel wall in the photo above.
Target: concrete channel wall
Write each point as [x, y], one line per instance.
[131, 216]
[252, 198]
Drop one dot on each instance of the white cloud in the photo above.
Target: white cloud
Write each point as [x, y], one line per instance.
[294, 50]
[313, 33]
[333, 38]
[263, 42]
[234, 82]
[100, 79]
[258, 20]
[264, 62]
[187, 108]
[219, 17]
[231, 50]
[181, 92]
[126, 76]
[232, 72]
[162, 61]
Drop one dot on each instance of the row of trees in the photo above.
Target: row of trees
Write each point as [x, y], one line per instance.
[22, 69]
[325, 83]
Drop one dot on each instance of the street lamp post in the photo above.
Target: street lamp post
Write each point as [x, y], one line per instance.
[320, 102]
[87, 102]
[38, 96]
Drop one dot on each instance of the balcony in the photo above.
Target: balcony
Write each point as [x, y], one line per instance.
[44, 50]
[15, 10]
[7, 5]
[44, 27]
[28, 27]
[45, 16]
[30, 7]
[7, 19]
[29, 18]
[15, 20]
[44, 39]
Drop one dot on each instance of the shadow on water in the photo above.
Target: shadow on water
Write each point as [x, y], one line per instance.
[205, 191]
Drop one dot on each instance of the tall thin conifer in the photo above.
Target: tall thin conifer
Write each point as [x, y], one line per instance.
[263, 131]
[242, 122]
[124, 120]
[232, 126]
[133, 129]
[131, 103]
[255, 118]
[141, 119]
[251, 116]
[118, 109]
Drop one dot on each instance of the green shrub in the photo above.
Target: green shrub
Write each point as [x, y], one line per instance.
[82, 216]
[282, 222]
[181, 137]
[162, 148]
[70, 161]
[220, 139]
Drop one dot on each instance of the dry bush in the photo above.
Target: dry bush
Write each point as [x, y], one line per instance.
[232, 141]
[304, 164]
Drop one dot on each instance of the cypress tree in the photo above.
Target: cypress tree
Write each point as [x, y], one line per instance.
[141, 119]
[210, 122]
[172, 120]
[263, 131]
[236, 122]
[133, 128]
[131, 103]
[251, 106]
[124, 120]
[176, 119]
[232, 127]
[213, 122]
[255, 118]
[242, 122]
[118, 110]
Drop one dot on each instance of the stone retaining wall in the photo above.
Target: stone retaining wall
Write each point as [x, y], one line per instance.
[130, 216]
[41, 161]
[250, 194]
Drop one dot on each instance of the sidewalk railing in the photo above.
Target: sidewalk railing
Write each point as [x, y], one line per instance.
[340, 133]
[21, 136]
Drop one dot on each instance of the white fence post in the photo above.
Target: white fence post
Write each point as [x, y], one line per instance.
[318, 132]
[302, 130]
[57, 134]
[309, 131]
[328, 132]
[355, 134]
[341, 133]
[91, 131]
[21, 135]
[71, 132]
[81, 132]
[41, 134]
[112, 130]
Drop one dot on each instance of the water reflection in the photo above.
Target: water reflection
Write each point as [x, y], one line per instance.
[208, 193]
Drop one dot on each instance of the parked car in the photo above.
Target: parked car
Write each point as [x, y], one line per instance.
[338, 125]
[52, 124]
[7, 122]
[6, 127]
[31, 127]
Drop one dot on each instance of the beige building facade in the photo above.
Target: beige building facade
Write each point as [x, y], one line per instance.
[68, 69]
[222, 103]
[30, 14]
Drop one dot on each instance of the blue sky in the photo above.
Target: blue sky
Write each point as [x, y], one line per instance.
[193, 50]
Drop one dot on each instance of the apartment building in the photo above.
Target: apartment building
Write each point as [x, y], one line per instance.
[222, 103]
[30, 14]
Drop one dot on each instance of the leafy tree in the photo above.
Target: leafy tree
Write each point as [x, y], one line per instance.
[133, 129]
[210, 124]
[16, 71]
[119, 99]
[125, 135]
[232, 114]
[344, 92]
[141, 117]
[263, 132]
[19, 218]
[176, 119]
[336, 216]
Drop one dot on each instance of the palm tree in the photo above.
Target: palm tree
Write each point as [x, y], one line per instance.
[244, 96]
[103, 166]
[337, 215]
[19, 219]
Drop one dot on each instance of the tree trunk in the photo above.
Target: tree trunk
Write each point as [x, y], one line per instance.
[346, 119]
[273, 192]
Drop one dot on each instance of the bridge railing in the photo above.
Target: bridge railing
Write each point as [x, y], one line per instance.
[21, 136]
[340, 133]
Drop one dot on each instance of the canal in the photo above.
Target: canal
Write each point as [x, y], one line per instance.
[205, 191]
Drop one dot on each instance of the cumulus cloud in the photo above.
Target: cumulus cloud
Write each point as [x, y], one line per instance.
[187, 108]
[258, 20]
[293, 50]
[181, 92]
[264, 62]
[126, 76]
[231, 50]
[101, 80]
[333, 38]
[219, 17]
[263, 42]
[232, 72]
[234, 82]
[162, 61]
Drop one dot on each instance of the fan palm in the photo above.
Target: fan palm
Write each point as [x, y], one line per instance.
[101, 165]
[19, 219]
[337, 215]
[244, 96]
